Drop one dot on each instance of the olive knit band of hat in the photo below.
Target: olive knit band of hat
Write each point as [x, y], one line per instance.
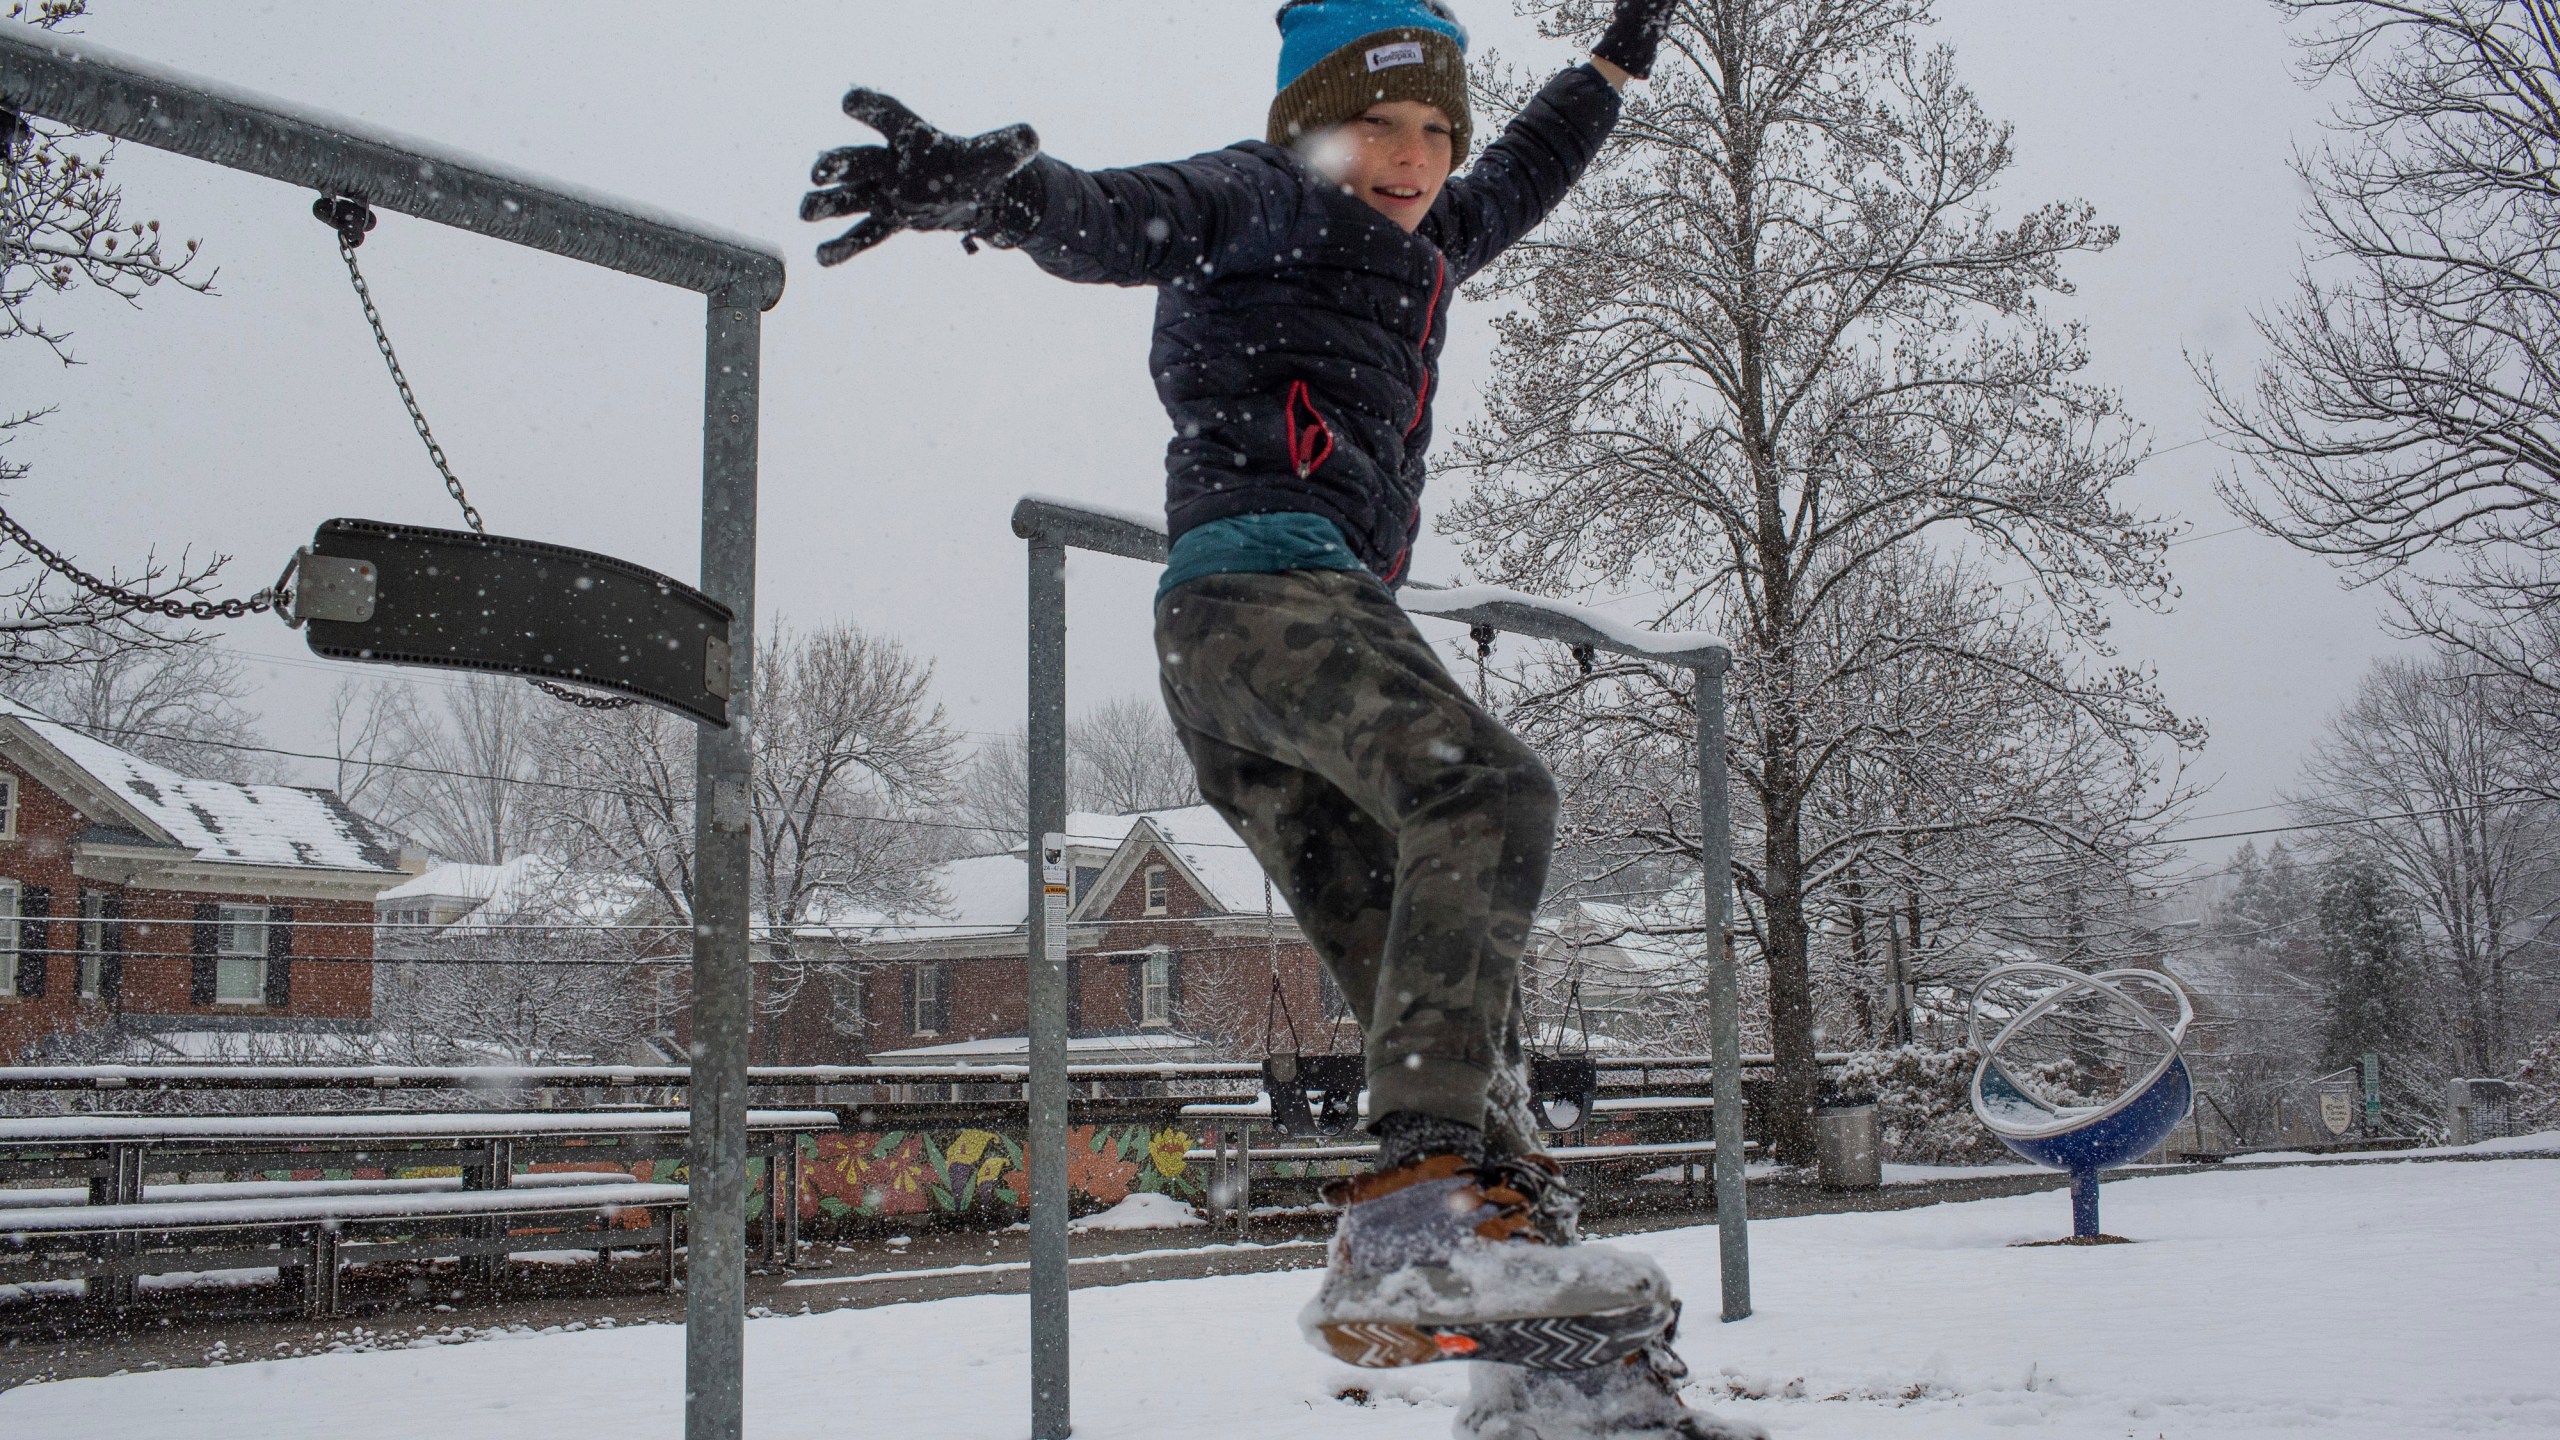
[1404, 63]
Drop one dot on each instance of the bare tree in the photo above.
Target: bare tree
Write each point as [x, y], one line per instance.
[364, 736]
[851, 751]
[467, 754]
[177, 705]
[853, 760]
[1122, 758]
[2415, 775]
[542, 972]
[614, 795]
[1128, 760]
[2262, 981]
[994, 793]
[62, 222]
[2406, 423]
[63, 228]
[1778, 339]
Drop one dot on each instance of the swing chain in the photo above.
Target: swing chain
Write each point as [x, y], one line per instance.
[350, 234]
[351, 218]
[258, 604]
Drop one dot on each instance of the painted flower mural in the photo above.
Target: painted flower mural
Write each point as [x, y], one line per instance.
[915, 1172]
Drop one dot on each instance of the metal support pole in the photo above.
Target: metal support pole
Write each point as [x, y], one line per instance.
[1724, 993]
[2084, 1204]
[716, 1157]
[1047, 988]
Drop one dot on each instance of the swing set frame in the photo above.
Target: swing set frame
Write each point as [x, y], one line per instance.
[100, 90]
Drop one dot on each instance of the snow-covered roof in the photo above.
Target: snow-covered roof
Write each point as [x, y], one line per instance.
[981, 895]
[221, 821]
[1657, 936]
[989, 894]
[477, 884]
[1204, 842]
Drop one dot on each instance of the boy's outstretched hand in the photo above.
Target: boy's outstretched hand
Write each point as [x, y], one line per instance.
[1635, 35]
[922, 179]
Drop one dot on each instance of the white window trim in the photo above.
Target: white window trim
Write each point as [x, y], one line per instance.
[9, 897]
[939, 975]
[228, 962]
[8, 807]
[89, 970]
[1158, 891]
[1155, 989]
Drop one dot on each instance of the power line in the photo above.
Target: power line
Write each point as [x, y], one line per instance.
[2356, 820]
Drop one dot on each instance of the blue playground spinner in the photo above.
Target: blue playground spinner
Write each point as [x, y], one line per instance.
[2082, 1139]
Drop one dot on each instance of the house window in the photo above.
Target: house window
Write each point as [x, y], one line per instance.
[1084, 877]
[240, 956]
[932, 1008]
[1155, 994]
[8, 807]
[1158, 886]
[93, 944]
[8, 940]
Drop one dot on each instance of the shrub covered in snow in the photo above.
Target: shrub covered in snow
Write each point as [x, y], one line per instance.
[2537, 1100]
[1924, 1105]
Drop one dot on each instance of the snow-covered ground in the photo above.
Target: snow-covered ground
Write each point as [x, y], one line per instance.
[2372, 1302]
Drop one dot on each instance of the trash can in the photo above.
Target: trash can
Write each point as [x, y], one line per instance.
[1844, 1138]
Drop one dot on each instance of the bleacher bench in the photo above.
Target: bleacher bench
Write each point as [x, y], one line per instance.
[317, 1233]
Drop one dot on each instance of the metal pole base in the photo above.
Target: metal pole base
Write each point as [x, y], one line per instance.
[2084, 1204]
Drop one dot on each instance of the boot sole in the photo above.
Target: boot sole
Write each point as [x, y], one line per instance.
[1551, 1342]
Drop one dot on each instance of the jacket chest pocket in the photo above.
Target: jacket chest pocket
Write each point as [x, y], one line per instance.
[1310, 437]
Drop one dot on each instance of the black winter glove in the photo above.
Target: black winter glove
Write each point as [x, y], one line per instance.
[1635, 35]
[921, 180]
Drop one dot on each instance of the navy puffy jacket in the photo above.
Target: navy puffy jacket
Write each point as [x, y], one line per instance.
[1298, 330]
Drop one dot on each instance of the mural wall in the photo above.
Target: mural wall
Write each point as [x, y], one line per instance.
[871, 1173]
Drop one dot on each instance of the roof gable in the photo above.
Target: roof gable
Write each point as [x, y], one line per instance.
[219, 820]
[1205, 852]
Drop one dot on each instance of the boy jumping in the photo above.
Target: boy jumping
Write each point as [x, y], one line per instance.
[1303, 287]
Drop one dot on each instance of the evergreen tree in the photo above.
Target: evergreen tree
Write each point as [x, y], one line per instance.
[2371, 984]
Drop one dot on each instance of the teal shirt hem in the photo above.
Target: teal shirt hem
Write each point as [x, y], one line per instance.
[1256, 545]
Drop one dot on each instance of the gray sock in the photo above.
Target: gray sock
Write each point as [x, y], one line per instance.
[1404, 1137]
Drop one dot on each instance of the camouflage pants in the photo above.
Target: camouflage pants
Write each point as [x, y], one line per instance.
[1407, 829]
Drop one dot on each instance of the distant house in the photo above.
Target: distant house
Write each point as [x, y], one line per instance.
[177, 912]
[1174, 945]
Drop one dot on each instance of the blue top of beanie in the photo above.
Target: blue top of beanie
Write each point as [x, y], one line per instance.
[1312, 29]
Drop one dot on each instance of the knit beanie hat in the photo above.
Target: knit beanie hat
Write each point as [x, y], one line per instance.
[1339, 57]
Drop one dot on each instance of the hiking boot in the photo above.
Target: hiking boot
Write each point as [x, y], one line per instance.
[1443, 1258]
[1636, 1398]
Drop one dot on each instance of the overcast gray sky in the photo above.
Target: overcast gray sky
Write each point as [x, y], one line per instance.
[910, 397]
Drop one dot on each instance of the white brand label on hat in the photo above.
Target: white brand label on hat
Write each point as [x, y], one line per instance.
[1388, 57]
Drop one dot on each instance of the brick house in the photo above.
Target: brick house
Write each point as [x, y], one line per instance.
[1173, 947]
[142, 905]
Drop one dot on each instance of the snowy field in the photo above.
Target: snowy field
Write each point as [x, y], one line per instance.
[2373, 1302]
